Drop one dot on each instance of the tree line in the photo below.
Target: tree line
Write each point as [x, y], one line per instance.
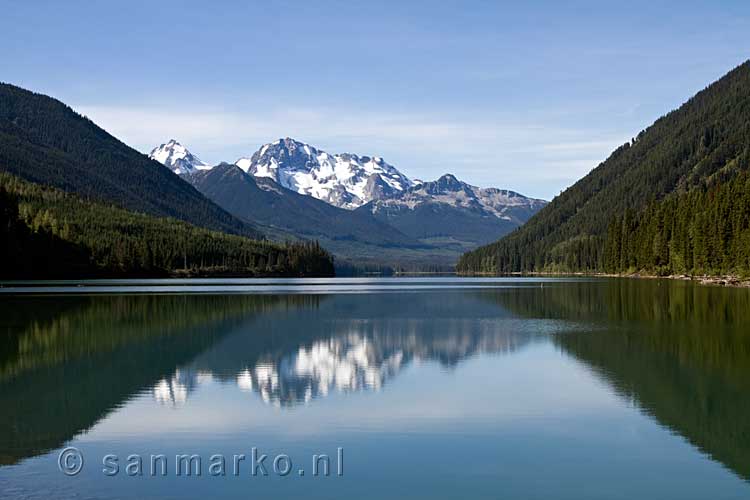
[703, 231]
[50, 233]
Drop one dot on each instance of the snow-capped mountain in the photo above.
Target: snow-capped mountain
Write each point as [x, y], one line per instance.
[262, 200]
[177, 158]
[343, 180]
[448, 190]
[296, 189]
[452, 214]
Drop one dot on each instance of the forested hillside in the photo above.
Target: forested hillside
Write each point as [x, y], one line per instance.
[49, 233]
[698, 232]
[44, 141]
[690, 153]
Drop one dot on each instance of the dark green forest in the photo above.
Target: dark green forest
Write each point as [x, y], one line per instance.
[653, 204]
[698, 232]
[49, 233]
[44, 141]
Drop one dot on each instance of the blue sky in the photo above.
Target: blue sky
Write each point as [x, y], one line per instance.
[528, 96]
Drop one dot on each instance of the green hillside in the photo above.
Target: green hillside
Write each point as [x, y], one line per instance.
[44, 141]
[49, 233]
[703, 231]
[696, 149]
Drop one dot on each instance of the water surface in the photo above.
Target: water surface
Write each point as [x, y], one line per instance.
[431, 388]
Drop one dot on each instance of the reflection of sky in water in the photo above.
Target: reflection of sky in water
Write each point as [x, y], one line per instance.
[518, 425]
[432, 395]
[533, 386]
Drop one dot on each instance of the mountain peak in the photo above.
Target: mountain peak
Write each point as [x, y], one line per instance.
[288, 143]
[449, 182]
[449, 191]
[343, 180]
[177, 158]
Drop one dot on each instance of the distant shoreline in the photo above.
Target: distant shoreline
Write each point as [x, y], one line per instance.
[726, 280]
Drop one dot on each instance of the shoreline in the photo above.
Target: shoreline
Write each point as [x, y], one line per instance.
[723, 280]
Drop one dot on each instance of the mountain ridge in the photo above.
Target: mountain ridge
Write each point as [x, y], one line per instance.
[261, 199]
[428, 222]
[344, 180]
[454, 212]
[448, 189]
[45, 141]
[263, 164]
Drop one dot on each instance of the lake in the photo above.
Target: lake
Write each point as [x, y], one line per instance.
[397, 388]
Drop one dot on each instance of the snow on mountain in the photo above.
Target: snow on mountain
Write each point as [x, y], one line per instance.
[448, 190]
[343, 180]
[350, 181]
[177, 158]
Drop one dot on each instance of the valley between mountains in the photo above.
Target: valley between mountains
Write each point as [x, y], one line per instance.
[369, 214]
[77, 202]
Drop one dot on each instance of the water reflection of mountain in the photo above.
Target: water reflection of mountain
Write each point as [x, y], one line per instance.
[65, 362]
[680, 351]
[350, 344]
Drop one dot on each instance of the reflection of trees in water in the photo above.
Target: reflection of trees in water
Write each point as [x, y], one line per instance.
[681, 351]
[626, 300]
[44, 331]
[704, 402]
[68, 361]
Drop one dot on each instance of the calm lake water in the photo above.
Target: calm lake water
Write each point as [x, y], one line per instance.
[413, 388]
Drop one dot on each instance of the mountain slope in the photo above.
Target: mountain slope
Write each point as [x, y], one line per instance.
[700, 232]
[177, 158]
[49, 233]
[44, 141]
[455, 212]
[262, 201]
[428, 234]
[417, 226]
[343, 180]
[705, 142]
